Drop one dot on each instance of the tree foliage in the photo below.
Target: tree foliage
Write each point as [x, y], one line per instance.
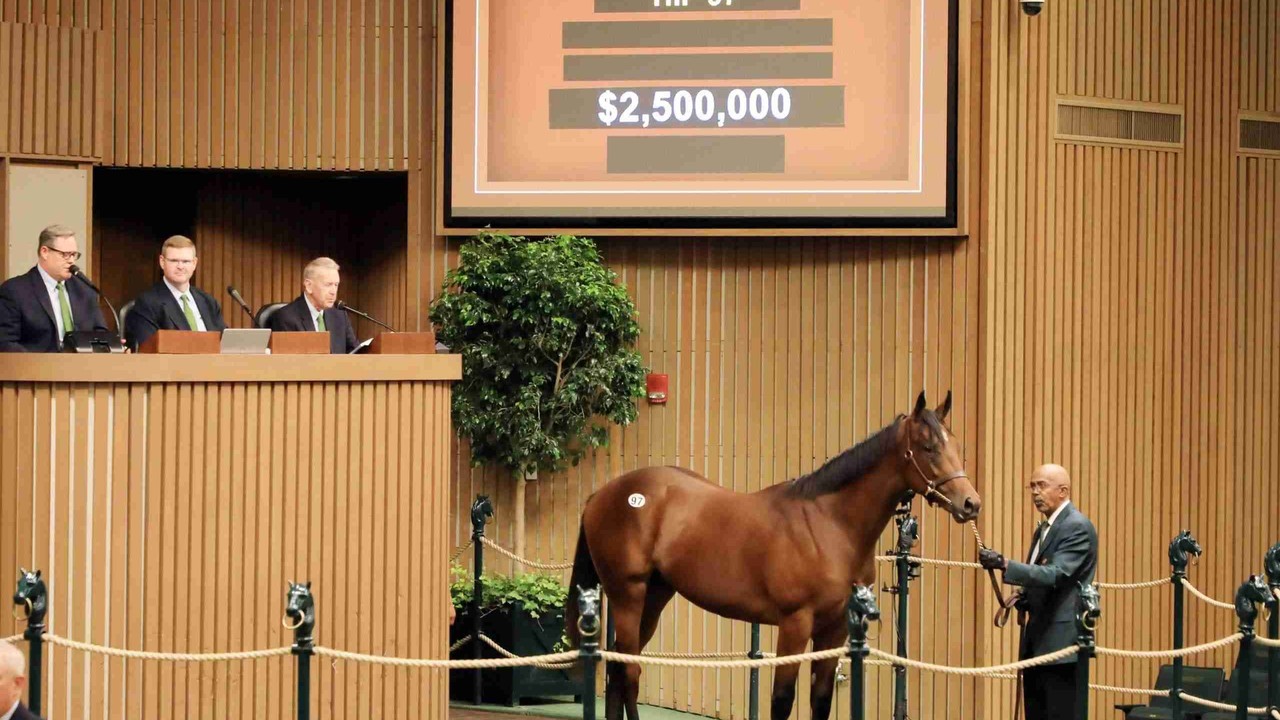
[546, 336]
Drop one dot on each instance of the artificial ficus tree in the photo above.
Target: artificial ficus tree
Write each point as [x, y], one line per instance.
[546, 335]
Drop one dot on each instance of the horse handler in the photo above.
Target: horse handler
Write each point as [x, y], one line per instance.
[1064, 552]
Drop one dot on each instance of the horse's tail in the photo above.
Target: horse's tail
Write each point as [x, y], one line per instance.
[584, 575]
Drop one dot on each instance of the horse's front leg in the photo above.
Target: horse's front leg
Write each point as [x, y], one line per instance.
[793, 635]
[823, 680]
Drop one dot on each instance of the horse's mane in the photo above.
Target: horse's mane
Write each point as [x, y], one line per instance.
[848, 465]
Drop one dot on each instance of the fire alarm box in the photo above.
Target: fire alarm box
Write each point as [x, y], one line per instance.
[656, 384]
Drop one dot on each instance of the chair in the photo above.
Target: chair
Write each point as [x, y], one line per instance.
[1259, 684]
[125, 309]
[1199, 681]
[263, 318]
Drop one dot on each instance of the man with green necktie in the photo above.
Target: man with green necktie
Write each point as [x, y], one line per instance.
[38, 308]
[315, 311]
[174, 303]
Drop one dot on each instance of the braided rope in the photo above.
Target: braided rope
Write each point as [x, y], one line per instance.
[695, 656]
[991, 671]
[1267, 642]
[507, 653]
[1150, 654]
[1130, 691]
[1275, 714]
[440, 664]
[453, 648]
[1135, 586]
[175, 657]
[525, 561]
[762, 662]
[1216, 603]
[458, 553]
[932, 561]
[1221, 706]
[12, 639]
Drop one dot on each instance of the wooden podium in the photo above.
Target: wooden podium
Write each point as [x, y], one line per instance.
[404, 343]
[182, 342]
[299, 343]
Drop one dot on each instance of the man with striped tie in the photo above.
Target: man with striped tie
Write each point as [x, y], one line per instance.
[39, 308]
[173, 303]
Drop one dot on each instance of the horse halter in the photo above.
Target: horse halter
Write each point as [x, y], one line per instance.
[932, 486]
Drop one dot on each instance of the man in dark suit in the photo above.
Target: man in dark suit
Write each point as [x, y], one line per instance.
[13, 681]
[314, 311]
[39, 308]
[173, 303]
[1064, 553]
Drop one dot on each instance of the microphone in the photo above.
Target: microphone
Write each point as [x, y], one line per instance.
[235, 295]
[343, 306]
[75, 272]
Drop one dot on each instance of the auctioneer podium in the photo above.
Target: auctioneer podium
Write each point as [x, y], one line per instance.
[167, 499]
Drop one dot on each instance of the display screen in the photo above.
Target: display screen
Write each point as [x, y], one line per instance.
[700, 113]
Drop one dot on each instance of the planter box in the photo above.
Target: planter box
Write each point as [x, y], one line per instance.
[518, 632]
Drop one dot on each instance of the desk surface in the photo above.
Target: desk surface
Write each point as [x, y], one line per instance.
[69, 368]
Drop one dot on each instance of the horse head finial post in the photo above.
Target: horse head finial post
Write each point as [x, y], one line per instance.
[32, 597]
[907, 569]
[908, 532]
[860, 610]
[1251, 592]
[1180, 551]
[589, 646]
[1271, 563]
[300, 608]
[1088, 610]
[481, 511]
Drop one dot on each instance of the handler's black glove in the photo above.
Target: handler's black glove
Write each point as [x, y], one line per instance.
[990, 559]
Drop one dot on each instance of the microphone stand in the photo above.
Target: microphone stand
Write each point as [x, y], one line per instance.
[343, 306]
[75, 272]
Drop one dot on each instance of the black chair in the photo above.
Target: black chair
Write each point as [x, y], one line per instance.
[125, 309]
[263, 318]
[1199, 681]
[1259, 684]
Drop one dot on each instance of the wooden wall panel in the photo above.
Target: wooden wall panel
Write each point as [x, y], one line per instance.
[167, 517]
[51, 90]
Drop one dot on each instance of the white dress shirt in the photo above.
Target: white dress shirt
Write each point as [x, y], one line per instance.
[314, 312]
[195, 309]
[12, 710]
[1036, 552]
[51, 286]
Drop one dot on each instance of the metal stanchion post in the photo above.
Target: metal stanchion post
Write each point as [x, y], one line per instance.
[908, 569]
[861, 609]
[1271, 562]
[300, 607]
[1250, 593]
[1180, 550]
[753, 702]
[33, 596]
[481, 511]
[589, 646]
[1088, 611]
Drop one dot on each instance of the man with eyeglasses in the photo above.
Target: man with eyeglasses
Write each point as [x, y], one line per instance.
[39, 308]
[173, 303]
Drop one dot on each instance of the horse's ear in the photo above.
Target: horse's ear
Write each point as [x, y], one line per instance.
[38, 573]
[921, 403]
[944, 409]
[308, 584]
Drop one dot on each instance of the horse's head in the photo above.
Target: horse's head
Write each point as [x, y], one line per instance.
[933, 466]
[1181, 548]
[1090, 608]
[1252, 592]
[1271, 562]
[32, 595]
[300, 607]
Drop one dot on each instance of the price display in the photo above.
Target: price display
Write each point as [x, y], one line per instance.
[700, 113]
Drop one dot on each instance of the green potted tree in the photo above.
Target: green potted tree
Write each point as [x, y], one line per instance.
[523, 613]
[547, 340]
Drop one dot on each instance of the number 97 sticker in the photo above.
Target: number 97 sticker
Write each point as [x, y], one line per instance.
[636, 500]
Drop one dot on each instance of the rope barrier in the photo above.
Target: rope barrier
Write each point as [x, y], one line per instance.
[453, 648]
[1161, 654]
[1206, 598]
[507, 653]
[443, 664]
[525, 561]
[13, 639]
[1222, 706]
[458, 553]
[932, 561]
[991, 670]
[175, 657]
[1267, 642]
[762, 662]
[1136, 585]
[1130, 691]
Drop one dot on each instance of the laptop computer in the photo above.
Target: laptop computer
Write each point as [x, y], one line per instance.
[245, 341]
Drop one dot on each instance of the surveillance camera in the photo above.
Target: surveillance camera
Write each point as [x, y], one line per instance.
[1032, 7]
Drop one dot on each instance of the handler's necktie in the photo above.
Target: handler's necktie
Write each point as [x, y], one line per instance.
[1041, 529]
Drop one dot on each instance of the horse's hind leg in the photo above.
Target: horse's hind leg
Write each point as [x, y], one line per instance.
[656, 598]
[627, 608]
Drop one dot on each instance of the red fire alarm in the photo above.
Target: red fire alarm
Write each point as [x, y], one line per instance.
[656, 384]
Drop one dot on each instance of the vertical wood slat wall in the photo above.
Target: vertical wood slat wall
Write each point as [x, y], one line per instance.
[50, 90]
[180, 537]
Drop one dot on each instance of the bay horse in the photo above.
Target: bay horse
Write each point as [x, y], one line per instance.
[787, 555]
